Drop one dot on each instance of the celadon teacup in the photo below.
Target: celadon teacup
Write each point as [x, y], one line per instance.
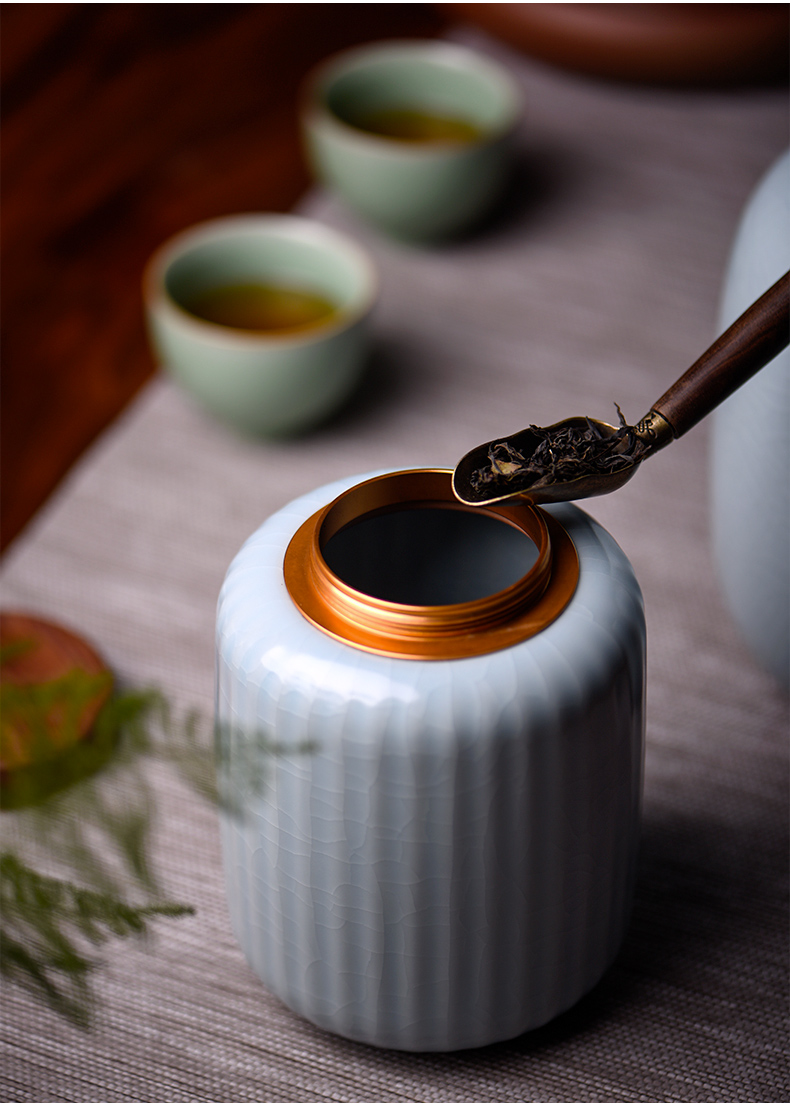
[264, 382]
[424, 189]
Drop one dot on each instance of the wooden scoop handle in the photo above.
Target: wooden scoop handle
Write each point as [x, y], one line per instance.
[744, 348]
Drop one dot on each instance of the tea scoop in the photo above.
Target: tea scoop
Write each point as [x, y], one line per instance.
[581, 457]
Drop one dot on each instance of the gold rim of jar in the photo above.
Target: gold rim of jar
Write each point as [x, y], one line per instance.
[487, 624]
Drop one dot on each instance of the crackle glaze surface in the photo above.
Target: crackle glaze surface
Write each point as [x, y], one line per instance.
[429, 855]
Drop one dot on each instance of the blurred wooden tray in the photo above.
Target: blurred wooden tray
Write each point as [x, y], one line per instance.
[43, 657]
[677, 44]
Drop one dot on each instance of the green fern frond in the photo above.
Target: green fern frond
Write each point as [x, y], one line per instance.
[43, 916]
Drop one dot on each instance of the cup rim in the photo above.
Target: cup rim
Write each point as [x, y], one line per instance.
[159, 302]
[312, 95]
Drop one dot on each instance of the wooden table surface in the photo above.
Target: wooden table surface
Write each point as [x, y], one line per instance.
[122, 124]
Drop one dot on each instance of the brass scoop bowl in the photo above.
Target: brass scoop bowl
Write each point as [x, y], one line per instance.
[580, 457]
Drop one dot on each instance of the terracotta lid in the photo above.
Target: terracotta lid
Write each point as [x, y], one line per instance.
[676, 44]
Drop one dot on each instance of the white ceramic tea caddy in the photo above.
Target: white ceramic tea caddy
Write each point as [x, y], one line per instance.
[430, 725]
[750, 517]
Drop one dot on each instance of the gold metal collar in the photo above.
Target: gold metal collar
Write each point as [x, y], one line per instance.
[428, 631]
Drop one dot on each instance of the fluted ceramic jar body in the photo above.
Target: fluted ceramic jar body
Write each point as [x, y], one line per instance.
[429, 855]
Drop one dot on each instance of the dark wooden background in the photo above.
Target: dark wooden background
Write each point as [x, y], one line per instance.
[121, 124]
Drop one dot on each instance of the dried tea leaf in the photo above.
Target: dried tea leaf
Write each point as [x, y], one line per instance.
[564, 452]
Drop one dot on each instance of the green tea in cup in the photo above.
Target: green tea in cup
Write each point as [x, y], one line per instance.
[255, 306]
[415, 126]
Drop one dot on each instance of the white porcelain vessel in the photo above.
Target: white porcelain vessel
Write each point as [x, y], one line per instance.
[750, 505]
[430, 849]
